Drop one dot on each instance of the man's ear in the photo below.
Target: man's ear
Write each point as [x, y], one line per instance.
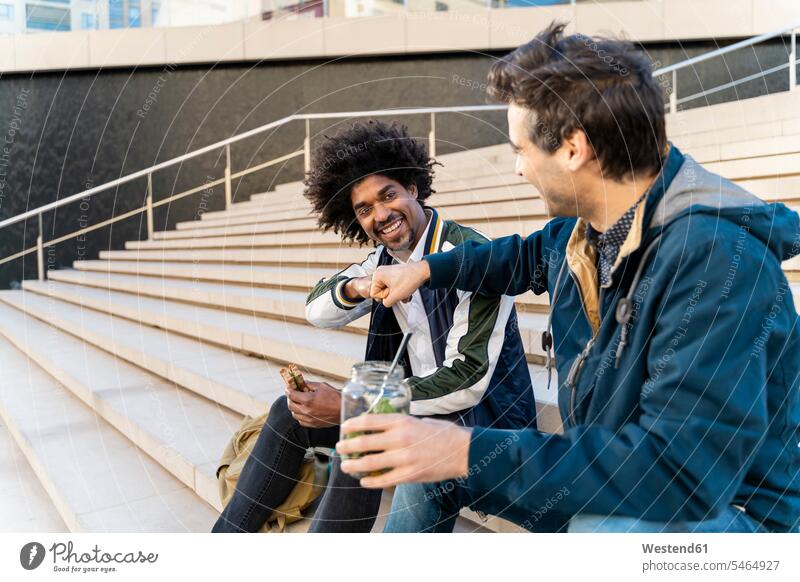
[576, 150]
[413, 191]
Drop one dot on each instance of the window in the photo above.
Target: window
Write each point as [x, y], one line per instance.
[88, 21]
[39, 17]
[134, 14]
[6, 12]
[116, 14]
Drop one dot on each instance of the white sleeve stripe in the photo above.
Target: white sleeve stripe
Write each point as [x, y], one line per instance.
[470, 396]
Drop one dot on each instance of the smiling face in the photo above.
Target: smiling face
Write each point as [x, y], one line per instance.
[388, 212]
[548, 172]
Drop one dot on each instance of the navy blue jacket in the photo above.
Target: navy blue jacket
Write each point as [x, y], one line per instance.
[701, 407]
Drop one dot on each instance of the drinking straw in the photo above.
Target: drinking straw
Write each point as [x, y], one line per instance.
[402, 347]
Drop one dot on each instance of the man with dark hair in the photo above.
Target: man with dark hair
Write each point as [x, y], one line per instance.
[676, 339]
[465, 360]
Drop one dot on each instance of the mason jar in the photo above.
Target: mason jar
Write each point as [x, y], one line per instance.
[371, 390]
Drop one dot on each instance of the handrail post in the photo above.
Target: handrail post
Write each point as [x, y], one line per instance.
[432, 137]
[150, 206]
[673, 97]
[228, 194]
[793, 63]
[40, 251]
[307, 148]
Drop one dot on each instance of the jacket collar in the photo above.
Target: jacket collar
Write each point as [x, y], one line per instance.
[433, 241]
[581, 256]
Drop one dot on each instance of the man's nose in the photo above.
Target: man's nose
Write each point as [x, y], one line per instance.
[381, 213]
[518, 165]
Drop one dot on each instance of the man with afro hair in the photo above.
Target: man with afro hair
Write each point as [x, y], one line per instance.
[465, 361]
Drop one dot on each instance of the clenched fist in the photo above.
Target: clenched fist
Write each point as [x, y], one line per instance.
[395, 283]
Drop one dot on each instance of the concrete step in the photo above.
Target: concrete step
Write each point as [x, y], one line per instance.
[277, 200]
[280, 226]
[98, 480]
[478, 190]
[278, 240]
[460, 213]
[24, 504]
[328, 352]
[311, 256]
[241, 383]
[501, 226]
[501, 165]
[332, 258]
[236, 381]
[775, 166]
[302, 278]
[273, 303]
[466, 203]
[479, 215]
[274, 339]
[784, 189]
[527, 209]
[262, 207]
[287, 278]
[198, 229]
[735, 114]
[182, 431]
[443, 185]
[734, 143]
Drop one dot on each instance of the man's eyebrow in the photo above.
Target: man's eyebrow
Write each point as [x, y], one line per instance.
[381, 194]
[382, 191]
[514, 146]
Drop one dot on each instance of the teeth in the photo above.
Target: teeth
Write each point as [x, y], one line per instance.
[391, 228]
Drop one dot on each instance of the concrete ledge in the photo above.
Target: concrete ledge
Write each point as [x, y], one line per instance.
[412, 33]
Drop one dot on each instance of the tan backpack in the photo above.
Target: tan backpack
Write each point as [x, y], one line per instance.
[309, 485]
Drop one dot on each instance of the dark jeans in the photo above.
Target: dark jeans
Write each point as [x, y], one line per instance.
[271, 472]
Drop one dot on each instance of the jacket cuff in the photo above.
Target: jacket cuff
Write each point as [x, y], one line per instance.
[444, 269]
[341, 299]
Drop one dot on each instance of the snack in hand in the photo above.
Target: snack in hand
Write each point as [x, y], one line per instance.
[294, 378]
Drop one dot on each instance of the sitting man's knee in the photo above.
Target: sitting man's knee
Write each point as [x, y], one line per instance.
[279, 414]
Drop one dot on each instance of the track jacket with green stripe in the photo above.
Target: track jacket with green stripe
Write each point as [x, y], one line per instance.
[481, 375]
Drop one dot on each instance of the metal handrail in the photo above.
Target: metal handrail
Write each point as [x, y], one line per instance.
[728, 49]
[674, 68]
[226, 143]
[41, 244]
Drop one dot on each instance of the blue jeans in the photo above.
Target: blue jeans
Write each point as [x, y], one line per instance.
[434, 507]
[731, 520]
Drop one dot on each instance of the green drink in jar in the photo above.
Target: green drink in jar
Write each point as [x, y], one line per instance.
[374, 388]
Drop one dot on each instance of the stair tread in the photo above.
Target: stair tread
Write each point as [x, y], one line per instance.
[309, 347]
[183, 431]
[186, 435]
[242, 383]
[24, 504]
[100, 480]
